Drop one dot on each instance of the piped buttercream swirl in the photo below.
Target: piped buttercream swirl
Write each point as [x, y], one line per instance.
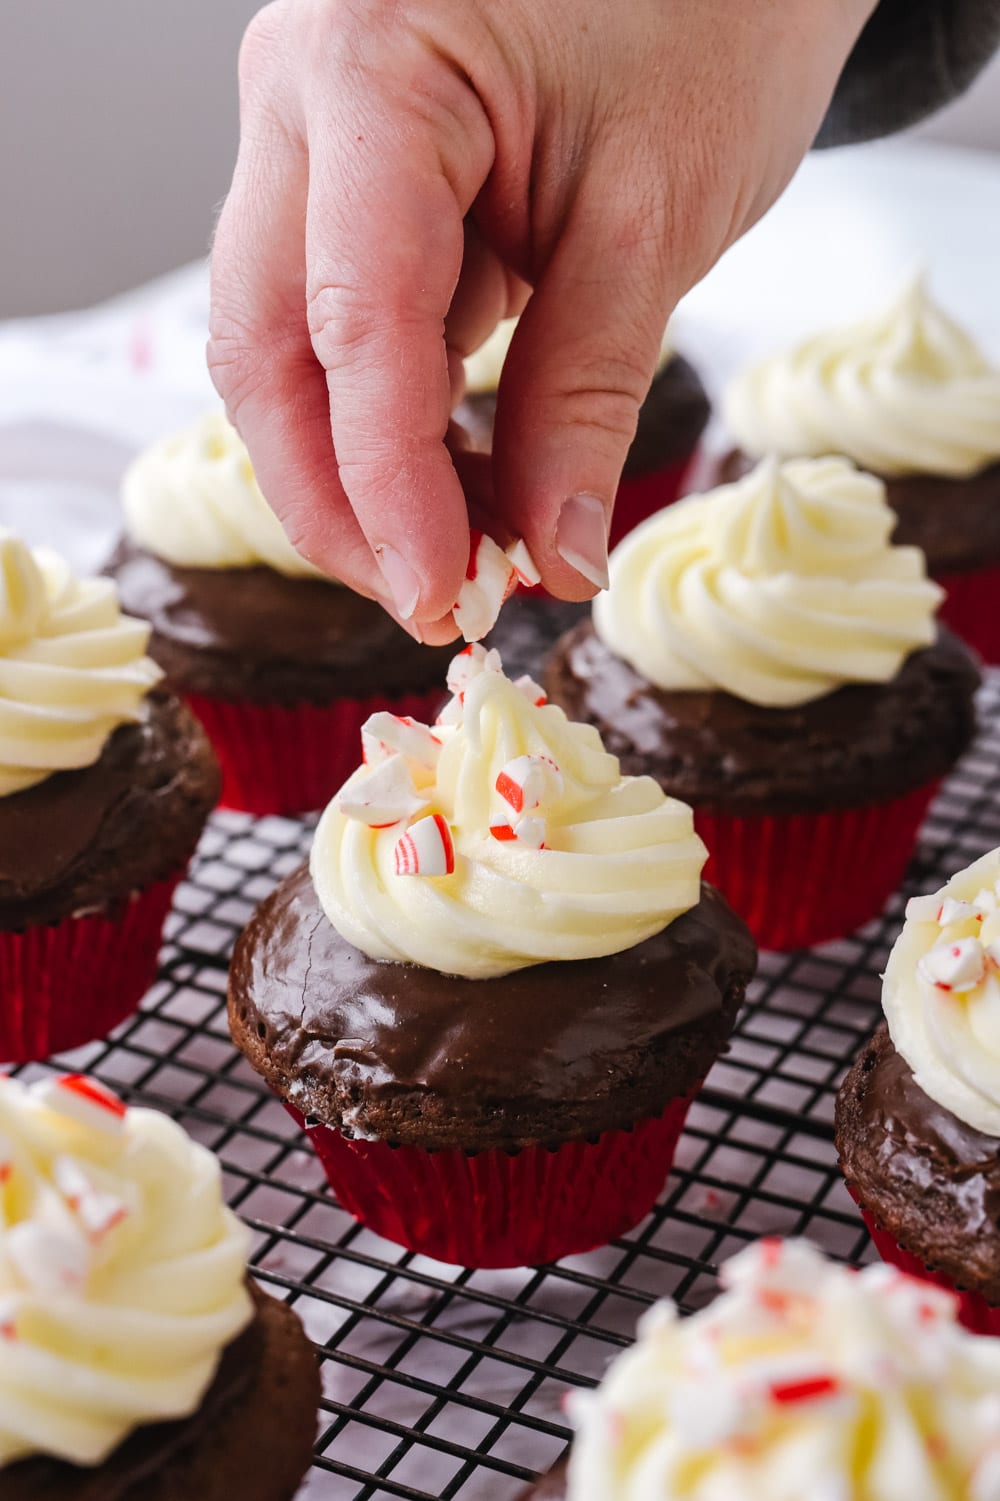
[776, 589]
[193, 500]
[802, 1382]
[941, 994]
[906, 392]
[501, 837]
[72, 667]
[122, 1273]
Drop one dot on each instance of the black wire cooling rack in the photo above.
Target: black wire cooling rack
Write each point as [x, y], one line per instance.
[444, 1382]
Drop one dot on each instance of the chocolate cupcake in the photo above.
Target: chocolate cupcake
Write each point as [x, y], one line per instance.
[803, 1381]
[138, 1360]
[908, 396]
[498, 984]
[769, 657]
[106, 781]
[671, 422]
[918, 1116]
[281, 664]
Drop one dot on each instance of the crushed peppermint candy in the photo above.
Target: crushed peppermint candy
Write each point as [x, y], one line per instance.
[426, 849]
[954, 966]
[383, 795]
[489, 580]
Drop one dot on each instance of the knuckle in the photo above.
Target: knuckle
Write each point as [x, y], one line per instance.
[261, 43]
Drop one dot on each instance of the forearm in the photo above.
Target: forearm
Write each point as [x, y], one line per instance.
[911, 58]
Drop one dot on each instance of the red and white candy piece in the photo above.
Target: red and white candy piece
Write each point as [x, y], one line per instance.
[489, 579]
[469, 664]
[523, 563]
[985, 901]
[957, 966]
[382, 796]
[953, 911]
[803, 1389]
[529, 781]
[533, 692]
[384, 735]
[96, 1211]
[84, 1101]
[923, 909]
[8, 1318]
[47, 1259]
[527, 830]
[426, 849]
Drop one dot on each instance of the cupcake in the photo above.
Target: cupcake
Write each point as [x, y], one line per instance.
[138, 1361]
[770, 658]
[910, 397]
[106, 782]
[281, 664]
[803, 1381]
[495, 988]
[671, 422]
[918, 1116]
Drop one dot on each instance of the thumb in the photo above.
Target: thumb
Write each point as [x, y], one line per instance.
[579, 367]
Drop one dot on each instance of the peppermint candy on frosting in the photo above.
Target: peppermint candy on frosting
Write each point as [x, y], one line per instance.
[803, 1381]
[532, 844]
[941, 994]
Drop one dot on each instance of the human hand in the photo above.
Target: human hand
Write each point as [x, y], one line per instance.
[408, 170]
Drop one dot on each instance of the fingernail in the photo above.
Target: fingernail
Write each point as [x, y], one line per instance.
[582, 537]
[404, 586]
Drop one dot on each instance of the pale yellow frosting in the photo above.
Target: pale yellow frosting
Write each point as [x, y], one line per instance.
[483, 367]
[122, 1272]
[553, 853]
[803, 1381]
[777, 589]
[941, 994]
[906, 392]
[193, 500]
[72, 667]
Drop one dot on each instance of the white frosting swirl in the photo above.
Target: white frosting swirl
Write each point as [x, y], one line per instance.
[72, 667]
[907, 392]
[193, 500]
[484, 366]
[941, 994]
[588, 863]
[122, 1273]
[777, 589]
[801, 1382]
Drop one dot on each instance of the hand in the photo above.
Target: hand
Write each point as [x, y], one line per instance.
[408, 170]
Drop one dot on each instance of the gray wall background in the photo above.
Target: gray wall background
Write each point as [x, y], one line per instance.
[117, 135]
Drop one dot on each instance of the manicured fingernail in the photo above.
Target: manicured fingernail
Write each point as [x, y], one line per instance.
[404, 586]
[582, 537]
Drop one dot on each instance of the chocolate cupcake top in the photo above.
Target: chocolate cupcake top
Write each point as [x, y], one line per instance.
[72, 667]
[193, 500]
[941, 994]
[122, 1272]
[803, 1381]
[905, 392]
[500, 837]
[777, 589]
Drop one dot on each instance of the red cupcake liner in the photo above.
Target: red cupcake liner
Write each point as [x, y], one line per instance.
[642, 495]
[281, 759]
[637, 499]
[805, 878]
[70, 982]
[973, 1310]
[971, 609]
[502, 1209]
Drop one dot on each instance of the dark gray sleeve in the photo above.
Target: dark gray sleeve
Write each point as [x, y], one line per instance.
[912, 57]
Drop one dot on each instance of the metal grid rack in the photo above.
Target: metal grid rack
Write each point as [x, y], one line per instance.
[444, 1382]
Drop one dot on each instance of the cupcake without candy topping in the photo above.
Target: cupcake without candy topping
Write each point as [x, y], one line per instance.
[769, 657]
[498, 983]
[137, 1359]
[281, 664]
[671, 422]
[106, 782]
[918, 1116]
[803, 1381]
[909, 396]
